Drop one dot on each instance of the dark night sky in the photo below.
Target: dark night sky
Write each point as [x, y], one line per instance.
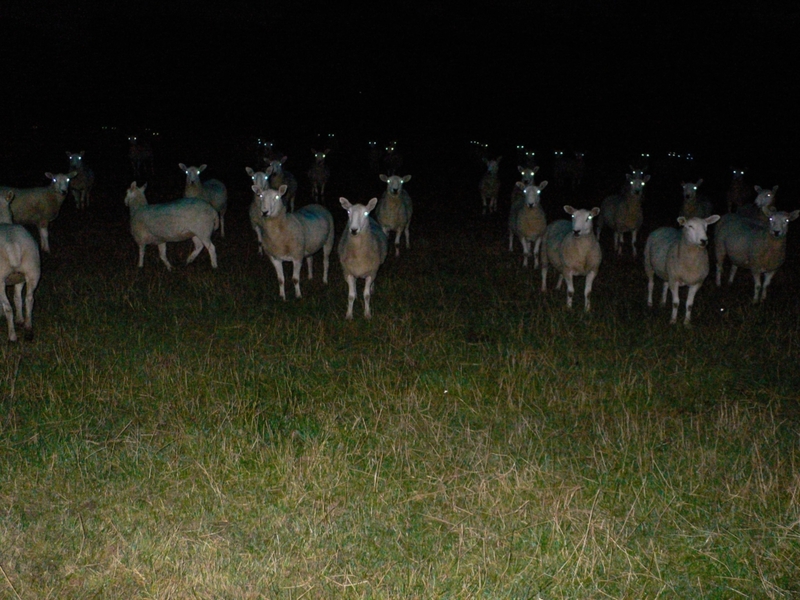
[574, 72]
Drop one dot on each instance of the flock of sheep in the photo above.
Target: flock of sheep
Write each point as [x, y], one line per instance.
[751, 235]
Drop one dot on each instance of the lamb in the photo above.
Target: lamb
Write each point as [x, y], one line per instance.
[39, 206]
[294, 236]
[187, 218]
[738, 193]
[572, 249]
[140, 154]
[753, 244]
[623, 212]
[212, 191]
[395, 209]
[261, 180]
[280, 177]
[680, 258]
[764, 199]
[319, 174]
[694, 205]
[81, 185]
[490, 185]
[362, 250]
[527, 221]
[20, 266]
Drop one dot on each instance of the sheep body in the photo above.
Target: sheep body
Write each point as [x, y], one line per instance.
[212, 191]
[527, 221]
[362, 250]
[489, 185]
[318, 174]
[753, 244]
[623, 212]
[395, 209]
[294, 236]
[83, 182]
[176, 221]
[573, 249]
[679, 258]
[738, 193]
[20, 266]
[40, 206]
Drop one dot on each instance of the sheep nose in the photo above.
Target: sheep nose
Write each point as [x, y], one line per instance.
[353, 231]
[576, 232]
[703, 243]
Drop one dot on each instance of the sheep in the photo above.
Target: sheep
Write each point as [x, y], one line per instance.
[680, 258]
[764, 199]
[280, 177]
[294, 236]
[266, 152]
[489, 185]
[623, 212]
[20, 266]
[395, 209]
[140, 154]
[392, 159]
[526, 175]
[39, 206]
[694, 205]
[527, 221]
[319, 174]
[753, 244]
[362, 250]
[738, 193]
[572, 249]
[374, 153]
[183, 219]
[560, 168]
[81, 185]
[261, 180]
[212, 191]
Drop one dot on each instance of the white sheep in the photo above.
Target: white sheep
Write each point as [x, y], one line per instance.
[679, 258]
[319, 173]
[187, 218]
[395, 209]
[20, 266]
[81, 185]
[212, 191]
[527, 221]
[261, 180]
[573, 249]
[753, 244]
[39, 206]
[623, 212]
[694, 205]
[738, 193]
[362, 249]
[489, 185]
[280, 177]
[140, 154]
[765, 198]
[294, 236]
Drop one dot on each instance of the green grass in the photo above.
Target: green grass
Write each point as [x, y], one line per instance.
[189, 435]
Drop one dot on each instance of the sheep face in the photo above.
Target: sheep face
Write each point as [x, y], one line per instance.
[394, 183]
[61, 182]
[192, 173]
[75, 160]
[135, 195]
[358, 215]
[636, 182]
[533, 193]
[271, 201]
[277, 165]
[259, 178]
[527, 174]
[690, 190]
[582, 220]
[779, 222]
[738, 174]
[492, 166]
[765, 197]
[319, 157]
[695, 230]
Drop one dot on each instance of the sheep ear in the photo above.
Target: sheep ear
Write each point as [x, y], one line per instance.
[543, 185]
[183, 167]
[712, 219]
[249, 171]
[345, 203]
[794, 214]
[133, 186]
[407, 178]
[757, 188]
[282, 189]
[520, 168]
[646, 178]
[313, 151]
[569, 210]
[49, 175]
[327, 151]
[699, 181]
[143, 188]
[9, 196]
[371, 204]
[536, 169]
[681, 221]
[774, 189]
[383, 178]
[201, 168]
[595, 211]
[520, 185]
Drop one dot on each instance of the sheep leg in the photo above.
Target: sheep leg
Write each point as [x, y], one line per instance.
[20, 315]
[587, 305]
[310, 266]
[544, 278]
[633, 241]
[162, 253]
[690, 302]
[767, 279]
[351, 295]
[664, 293]
[650, 285]
[674, 288]
[757, 279]
[719, 269]
[408, 237]
[222, 226]
[326, 257]
[198, 247]
[141, 255]
[560, 281]
[44, 238]
[297, 265]
[30, 286]
[618, 243]
[536, 247]
[398, 233]
[12, 334]
[734, 268]
[278, 264]
[570, 287]
[526, 250]
[367, 294]
[511, 241]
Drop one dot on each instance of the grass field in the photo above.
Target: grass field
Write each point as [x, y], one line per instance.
[189, 435]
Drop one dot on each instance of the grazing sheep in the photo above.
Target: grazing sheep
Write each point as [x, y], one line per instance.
[140, 154]
[526, 175]
[187, 218]
[680, 258]
[623, 212]
[362, 249]
[527, 221]
[279, 177]
[738, 193]
[39, 206]
[319, 173]
[694, 205]
[753, 244]
[573, 249]
[294, 236]
[395, 209]
[81, 185]
[261, 180]
[490, 185]
[212, 191]
[20, 267]
[764, 199]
